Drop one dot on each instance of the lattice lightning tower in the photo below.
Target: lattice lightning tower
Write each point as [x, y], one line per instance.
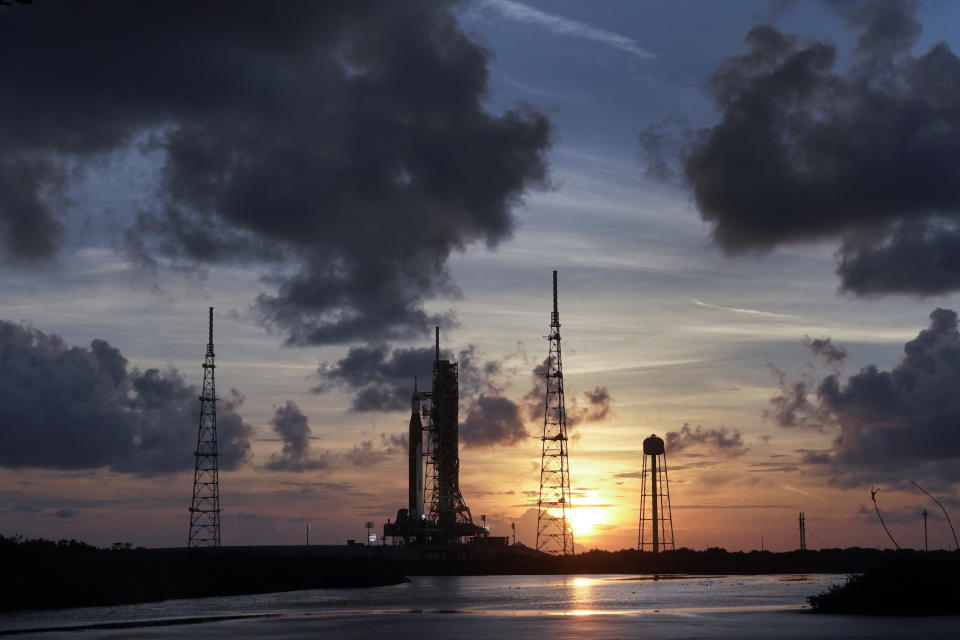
[205, 508]
[555, 510]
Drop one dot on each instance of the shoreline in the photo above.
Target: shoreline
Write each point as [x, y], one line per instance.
[48, 575]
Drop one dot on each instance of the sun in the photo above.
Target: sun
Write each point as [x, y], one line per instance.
[588, 515]
[587, 518]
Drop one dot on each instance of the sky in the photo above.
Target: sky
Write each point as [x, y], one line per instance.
[753, 208]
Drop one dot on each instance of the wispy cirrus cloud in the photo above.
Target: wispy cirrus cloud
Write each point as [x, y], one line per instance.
[567, 27]
[804, 493]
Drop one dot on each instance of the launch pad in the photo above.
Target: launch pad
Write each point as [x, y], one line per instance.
[436, 512]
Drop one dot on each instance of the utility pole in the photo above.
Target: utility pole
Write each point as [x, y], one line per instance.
[554, 508]
[205, 507]
[926, 547]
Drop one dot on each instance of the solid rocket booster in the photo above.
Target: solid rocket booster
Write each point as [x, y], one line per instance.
[416, 459]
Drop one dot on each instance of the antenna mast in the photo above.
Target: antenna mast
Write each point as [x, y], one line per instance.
[554, 508]
[803, 531]
[205, 508]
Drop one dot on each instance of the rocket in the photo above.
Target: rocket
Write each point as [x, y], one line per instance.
[416, 458]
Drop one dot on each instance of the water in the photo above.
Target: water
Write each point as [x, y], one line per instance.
[492, 606]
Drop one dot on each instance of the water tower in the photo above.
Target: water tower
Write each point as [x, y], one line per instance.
[656, 521]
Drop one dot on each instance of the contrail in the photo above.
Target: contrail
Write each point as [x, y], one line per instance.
[753, 312]
[567, 27]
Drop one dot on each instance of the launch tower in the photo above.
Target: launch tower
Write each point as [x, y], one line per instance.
[436, 511]
[442, 488]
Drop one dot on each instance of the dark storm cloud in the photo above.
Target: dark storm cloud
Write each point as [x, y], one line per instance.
[75, 408]
[889, 423]
[348, 140]
[294, 430]
[914, 257]
[868, 154]
[381, 379]
[493, 421]
[30, 192]
[724, 442]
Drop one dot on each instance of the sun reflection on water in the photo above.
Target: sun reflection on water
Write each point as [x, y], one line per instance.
[581, 599]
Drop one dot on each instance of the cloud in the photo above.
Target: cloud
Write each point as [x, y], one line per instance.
[365, 454]
[792, 406]
[596, 405]
[814, 456]
[382, 379]
[298, 454]
[31, 189]
[673, 467]
[395, 442]
[733, 506]
[803, 492]
[891, 425]
[24, 509]
[493, 421]
[832, 354]
[82, 408]
[294, 429]
[866, 155]
[772, 467]
[599, 405]
[727, 443]
[566, 27]
[343, 146]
